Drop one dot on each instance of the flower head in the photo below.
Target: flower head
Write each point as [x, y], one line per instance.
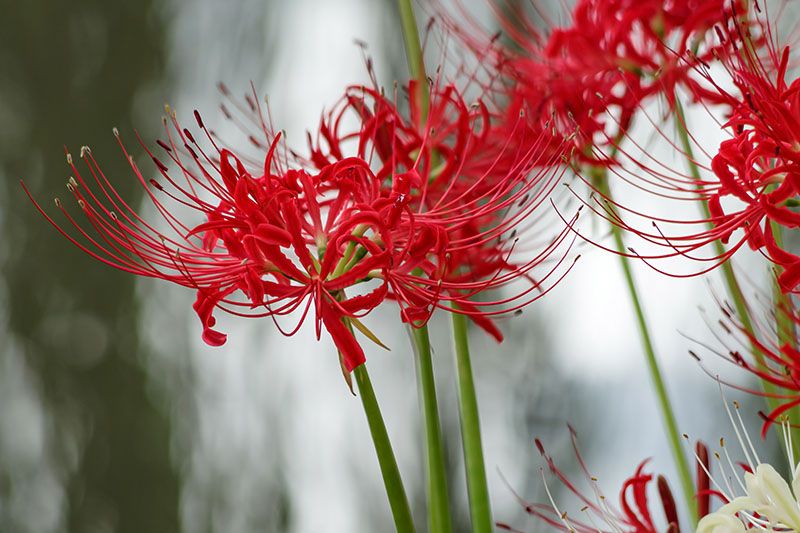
[266, 243]
[756, 496]
[427, 220]
[764, 346]
[487, 184]
[748, 186]
[635, 513]
[592, 74]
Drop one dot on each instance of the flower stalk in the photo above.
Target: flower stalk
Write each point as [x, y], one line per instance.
[474, 466]
[416, 60]
[436, 474]
[401, 511]
[732, 284]
[600, 181]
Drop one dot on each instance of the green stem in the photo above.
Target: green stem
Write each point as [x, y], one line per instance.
[600, 180]
[416, 61]
[401, 512]
[477, 487]
[438, 503]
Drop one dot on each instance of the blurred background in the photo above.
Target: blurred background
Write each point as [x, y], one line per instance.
[115, 417]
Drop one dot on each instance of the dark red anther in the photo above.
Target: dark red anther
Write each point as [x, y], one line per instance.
[161, 166]
[703, 481]
[539, 445]
[668, 502]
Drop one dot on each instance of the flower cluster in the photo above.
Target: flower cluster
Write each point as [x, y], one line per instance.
[433, 198]
[477, 179]
[593, 74]
[748, 187]
[426, 212]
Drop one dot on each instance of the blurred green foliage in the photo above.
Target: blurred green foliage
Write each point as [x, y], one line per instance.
[71, 71]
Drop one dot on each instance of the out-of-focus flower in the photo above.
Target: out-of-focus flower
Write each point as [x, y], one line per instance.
[769, 502]
[592, 74]
[750, 183]
[635, 513]
[426, 219]
[765, 348]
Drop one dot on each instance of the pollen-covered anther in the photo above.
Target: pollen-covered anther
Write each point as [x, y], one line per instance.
[85, 150]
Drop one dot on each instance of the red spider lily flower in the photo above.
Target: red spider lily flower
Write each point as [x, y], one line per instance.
[759, 167]
[593, 73]
[268, 244]
[334, 236]
[634, 514]
[768, 352]
[483, 183]
[751, 182]
[484, 187]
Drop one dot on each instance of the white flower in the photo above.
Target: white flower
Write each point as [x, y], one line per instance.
[769, 503]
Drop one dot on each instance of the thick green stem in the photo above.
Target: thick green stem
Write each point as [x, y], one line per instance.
[477, 487]
[600, 181]
[438, 503]
[416, 61]
[401, 511]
